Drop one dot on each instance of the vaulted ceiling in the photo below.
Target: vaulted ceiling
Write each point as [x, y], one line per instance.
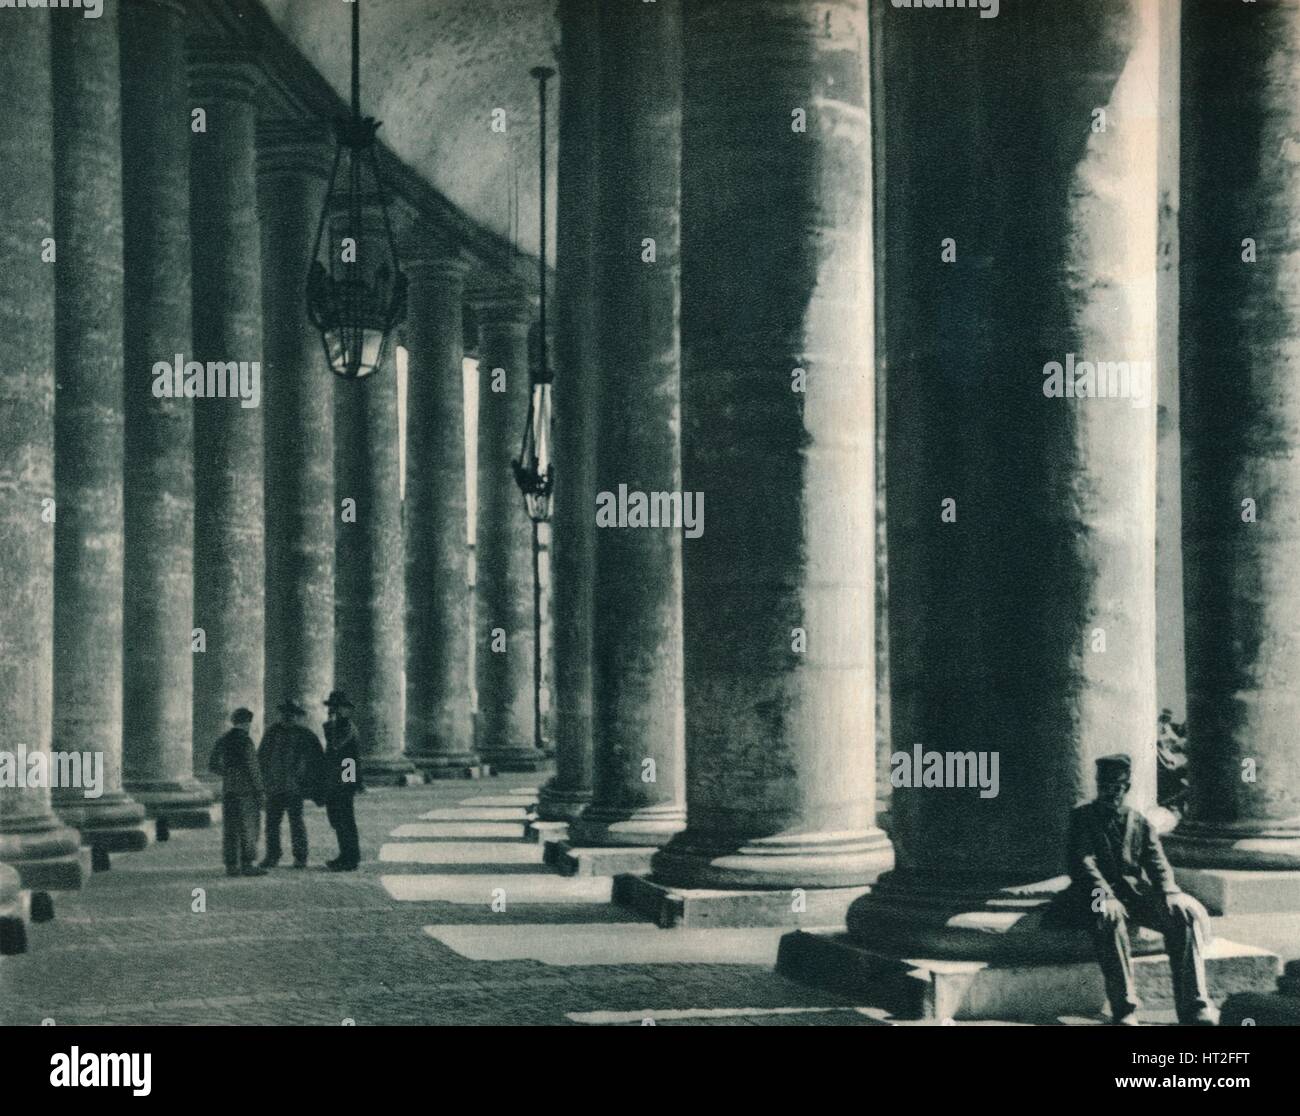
[433, 71]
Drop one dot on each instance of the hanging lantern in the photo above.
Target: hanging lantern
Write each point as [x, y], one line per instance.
[356, 292]
[534, 473]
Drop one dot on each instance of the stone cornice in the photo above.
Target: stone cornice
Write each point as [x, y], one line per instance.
[295, 147]
[223, 70]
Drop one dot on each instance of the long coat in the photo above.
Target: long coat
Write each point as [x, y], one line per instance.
[342, 743]
[234, 759]
[290, 760]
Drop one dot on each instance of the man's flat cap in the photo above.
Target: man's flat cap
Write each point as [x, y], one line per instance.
[241, 716]
[1118, 764]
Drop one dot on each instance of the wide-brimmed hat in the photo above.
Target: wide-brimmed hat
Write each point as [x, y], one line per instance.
[337, 700]
[292, 708]
[241, 716]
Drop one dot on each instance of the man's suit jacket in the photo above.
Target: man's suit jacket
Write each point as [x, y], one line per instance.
[1118, 853]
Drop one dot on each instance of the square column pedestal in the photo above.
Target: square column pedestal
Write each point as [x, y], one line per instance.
[1232, 891]
[704, 908]
[1012, 992]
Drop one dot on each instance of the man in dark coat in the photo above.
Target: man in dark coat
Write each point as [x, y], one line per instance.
[234, 759]
[342, 780]
[1119, 875]
[290, 760]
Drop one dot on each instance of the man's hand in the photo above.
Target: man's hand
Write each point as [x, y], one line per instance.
[1182, 906]
[1112, 911]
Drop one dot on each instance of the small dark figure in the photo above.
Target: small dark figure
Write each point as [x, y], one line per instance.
[235, 760]
[1171, 758]
[342, 781]
[290, 760]
[1119, 875]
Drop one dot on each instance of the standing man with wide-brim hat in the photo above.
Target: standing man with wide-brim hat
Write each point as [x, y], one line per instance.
[290, 760]
[342, 780]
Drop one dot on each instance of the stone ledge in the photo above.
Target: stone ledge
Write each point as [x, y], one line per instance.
[614, 860]
[700, 908]
[1229, 891]
[55, 873]
[1035, 993]
[1263, 1009]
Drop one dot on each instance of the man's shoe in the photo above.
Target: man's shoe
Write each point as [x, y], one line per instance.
[254, 870]
[233, 872]
[300, 864]
[333, 865]
[1203, 1017]
[1129, 1020]
[268, 863]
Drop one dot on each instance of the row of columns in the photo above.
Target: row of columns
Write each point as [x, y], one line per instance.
[1023, 624]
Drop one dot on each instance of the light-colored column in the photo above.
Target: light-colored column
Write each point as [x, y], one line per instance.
[368, 593]
[503, 544]
[301, 512]
[159, 485]
[1021, 520]
[779, 583]
[637, 721]
[573, 526]
[33, 841]
[439, 628]
[1240, 320]
[88, 419]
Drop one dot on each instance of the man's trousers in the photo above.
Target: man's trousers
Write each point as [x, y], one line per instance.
[277, 805]
[240, 818]
[338, 808]
[1184, 941]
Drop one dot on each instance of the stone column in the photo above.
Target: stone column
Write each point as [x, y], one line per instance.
[778, 438]
[368, 568]
[503, 544]
[159, 448]
[88, 427]
[33, 841]
[1021, 523]
[301, 513]
[228, 520]
[573, 525]
[1240, 398]
[636, 648]
[439, 627]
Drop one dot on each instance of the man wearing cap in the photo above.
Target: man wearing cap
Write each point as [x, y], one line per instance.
[290, 760]
[234, 759]
[342, 780]
[1119, 875]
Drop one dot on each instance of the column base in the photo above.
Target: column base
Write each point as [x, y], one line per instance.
[556, 804]
[1030, 992]
[700, 908]
[525, 758]
[574, 860]
[599, 827]
[816, 860]
[13, 924]
[113, 822]
[184, 804]
[1256, 846]
[546, 832]
[46, 854]
[447, 765]
[386, 772]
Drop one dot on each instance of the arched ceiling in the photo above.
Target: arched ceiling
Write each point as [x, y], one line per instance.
[433, 71]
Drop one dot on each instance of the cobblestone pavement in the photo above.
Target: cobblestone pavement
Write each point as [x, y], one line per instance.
[134, 947]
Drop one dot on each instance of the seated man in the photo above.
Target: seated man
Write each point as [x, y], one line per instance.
[1119, 874]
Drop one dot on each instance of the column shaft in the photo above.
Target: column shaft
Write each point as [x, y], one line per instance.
[301, 512]
[159, 442]
[779, 587]
[1240, 398]
[1022, 615]
[88, 421]
[573, 527]
[637, 719]
[503, 546]
[33, 841]
[439, 716]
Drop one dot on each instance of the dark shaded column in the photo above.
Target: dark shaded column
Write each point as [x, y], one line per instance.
[503, 544]
[33, 841]
[1023, 629]
[779, 587]
[368, 568]
[637, 721]
[439, 628]
[573, 525]
[228, 519]
[1240, 401]
[301, 513]
[88, 421]
[159, 485]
